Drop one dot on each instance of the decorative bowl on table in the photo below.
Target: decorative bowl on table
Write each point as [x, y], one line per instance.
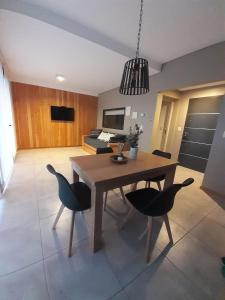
[119, 159]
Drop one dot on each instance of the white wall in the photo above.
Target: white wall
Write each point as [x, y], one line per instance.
[7, 133]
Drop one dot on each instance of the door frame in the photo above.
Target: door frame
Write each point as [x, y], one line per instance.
[167, 122]
[173, 99]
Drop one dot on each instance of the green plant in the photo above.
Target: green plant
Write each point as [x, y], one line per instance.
[133, 136]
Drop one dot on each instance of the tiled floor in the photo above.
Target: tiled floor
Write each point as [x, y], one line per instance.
[33, 261]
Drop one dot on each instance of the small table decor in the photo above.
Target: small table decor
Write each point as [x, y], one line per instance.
[133, 139]
[119, 159]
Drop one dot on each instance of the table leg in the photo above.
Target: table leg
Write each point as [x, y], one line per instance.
[75, 176]
[133, 187]
[169, 177]
[97, 210]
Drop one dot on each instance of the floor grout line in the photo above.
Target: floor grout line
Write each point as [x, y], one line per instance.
[43, 265]
[187, 277]
[117, 293]
[78, 243]
[201, 242]
[21, 269]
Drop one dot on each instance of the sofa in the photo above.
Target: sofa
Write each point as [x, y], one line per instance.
[97, 138]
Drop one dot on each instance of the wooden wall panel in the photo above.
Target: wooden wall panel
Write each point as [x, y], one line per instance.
[34, 127]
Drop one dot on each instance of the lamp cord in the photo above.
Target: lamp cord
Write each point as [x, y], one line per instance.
[139, 29]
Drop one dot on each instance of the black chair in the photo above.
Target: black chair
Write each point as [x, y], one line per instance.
[154, 203]
[161, 177]
[76, 197]
[103, 151]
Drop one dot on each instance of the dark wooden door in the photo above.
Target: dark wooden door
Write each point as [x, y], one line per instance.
[199, 130]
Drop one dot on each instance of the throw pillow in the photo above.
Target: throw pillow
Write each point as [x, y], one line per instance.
[105, 136]
[102, 136]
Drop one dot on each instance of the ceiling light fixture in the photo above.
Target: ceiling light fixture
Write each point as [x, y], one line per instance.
[60, 78]
[135, 79]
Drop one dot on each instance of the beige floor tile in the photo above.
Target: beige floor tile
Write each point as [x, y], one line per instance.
[212, 234]
[200, 264]
[27, 284]
[30, 204]
[20, 247]
[164, 281]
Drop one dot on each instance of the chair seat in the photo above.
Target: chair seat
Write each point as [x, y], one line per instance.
[157, 178]
[142, 199]
[83, 193]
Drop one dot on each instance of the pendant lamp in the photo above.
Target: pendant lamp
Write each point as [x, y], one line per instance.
[135, 79]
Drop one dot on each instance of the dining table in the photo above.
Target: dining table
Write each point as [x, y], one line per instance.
[102, 174]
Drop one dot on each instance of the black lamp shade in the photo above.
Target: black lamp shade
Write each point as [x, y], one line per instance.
[135, 80]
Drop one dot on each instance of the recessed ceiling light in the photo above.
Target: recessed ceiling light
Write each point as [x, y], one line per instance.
[60, 78]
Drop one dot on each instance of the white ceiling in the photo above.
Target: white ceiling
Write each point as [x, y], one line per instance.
[35, 52]
[98, 36]
[171, 28]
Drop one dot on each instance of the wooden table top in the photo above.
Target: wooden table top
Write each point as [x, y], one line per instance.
[99, 168]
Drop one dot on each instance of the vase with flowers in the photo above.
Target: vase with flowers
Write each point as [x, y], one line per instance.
[132, 140]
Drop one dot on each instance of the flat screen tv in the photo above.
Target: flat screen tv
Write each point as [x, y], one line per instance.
[113, 118]
[62, 113]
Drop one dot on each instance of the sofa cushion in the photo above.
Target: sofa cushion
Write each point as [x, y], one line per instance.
[95, 143]
[94, 133]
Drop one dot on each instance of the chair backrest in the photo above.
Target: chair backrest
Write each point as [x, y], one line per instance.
[66, 194]
[104, 150]
[162, 153]
[164, 201]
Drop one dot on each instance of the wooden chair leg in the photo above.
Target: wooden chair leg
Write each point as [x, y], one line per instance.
[71, 234]
[148, 243]
[146, 184]
[167, 223]
[123, 196]
[58, 216]
[128, 216]
[149, 184]
[105, 200]
[159, 186]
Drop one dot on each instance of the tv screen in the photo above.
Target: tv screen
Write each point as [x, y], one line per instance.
[113, 118]
[62, 113]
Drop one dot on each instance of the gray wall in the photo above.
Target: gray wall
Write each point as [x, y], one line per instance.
[214, 178]
[139, 104]
[203, 66]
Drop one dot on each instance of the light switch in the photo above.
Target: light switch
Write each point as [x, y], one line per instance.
[134, 115]
[128, 109]
[179, 128]
[224, 135]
